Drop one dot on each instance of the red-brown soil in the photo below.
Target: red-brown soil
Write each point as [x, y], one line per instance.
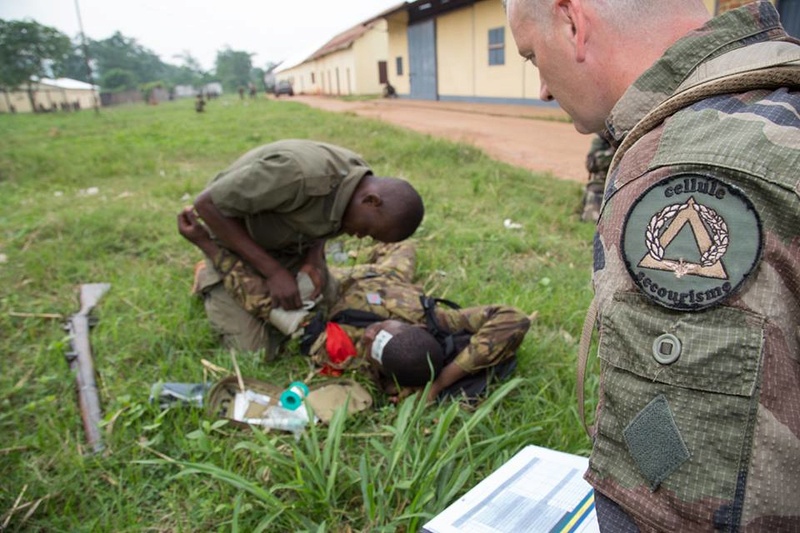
[537, 138]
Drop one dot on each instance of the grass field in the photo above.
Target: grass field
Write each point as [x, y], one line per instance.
[89, 198]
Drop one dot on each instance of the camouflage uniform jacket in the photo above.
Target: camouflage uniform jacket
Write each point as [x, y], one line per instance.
[697, 281]
[383, 287]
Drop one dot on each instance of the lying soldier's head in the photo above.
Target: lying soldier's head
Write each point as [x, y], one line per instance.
[406, 354]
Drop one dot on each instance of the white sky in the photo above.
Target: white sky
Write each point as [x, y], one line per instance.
[273, 30]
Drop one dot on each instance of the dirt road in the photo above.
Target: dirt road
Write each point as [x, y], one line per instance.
[532, 137]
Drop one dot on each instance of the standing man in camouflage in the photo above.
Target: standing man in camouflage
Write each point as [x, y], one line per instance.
[696, 255]
[597, 162]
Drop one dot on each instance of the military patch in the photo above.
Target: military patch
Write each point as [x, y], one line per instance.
[690, 241]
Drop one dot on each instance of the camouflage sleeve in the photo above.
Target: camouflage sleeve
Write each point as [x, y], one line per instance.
[246, 286]
[497, 331]
[396, 259]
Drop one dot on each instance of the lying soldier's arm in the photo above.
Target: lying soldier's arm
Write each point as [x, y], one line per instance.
[497, 330]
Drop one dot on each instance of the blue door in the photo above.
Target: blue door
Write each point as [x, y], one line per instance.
[422, 60]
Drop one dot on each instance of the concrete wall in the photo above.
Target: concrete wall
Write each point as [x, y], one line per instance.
[368, 51]
[47, 96]
[397, 26]
[462, 57]
[351, 70]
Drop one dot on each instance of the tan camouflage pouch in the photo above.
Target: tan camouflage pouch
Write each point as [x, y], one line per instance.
[323, 399]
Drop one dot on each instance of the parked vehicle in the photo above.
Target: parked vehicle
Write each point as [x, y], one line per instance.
[283, 87]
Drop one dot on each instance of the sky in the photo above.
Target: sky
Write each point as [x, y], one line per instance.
[272, 30]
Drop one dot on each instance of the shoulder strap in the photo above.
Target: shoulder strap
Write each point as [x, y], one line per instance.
[452, 343]
[356, 318]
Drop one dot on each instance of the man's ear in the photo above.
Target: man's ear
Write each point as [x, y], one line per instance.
[372, 199]
[572, 12]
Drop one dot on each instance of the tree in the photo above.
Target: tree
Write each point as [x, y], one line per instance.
[120, 52]
[74, 64]
[190, 72]
[28, 50]
[117, 79]
[233, 68]
[257, 76]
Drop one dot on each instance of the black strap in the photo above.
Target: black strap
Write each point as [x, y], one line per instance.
[452, 342]
[357, 318]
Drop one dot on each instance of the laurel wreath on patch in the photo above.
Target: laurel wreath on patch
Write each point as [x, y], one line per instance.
[715, 223]
[719, 235]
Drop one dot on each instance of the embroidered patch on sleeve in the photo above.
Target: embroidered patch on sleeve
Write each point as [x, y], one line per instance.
[690, 241]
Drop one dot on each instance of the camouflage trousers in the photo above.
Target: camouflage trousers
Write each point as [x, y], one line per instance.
[238, 304]
[593, 197]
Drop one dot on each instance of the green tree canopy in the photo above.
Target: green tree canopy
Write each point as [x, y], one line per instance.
[28, 49]
[233, 68]
[120, 52]
[74, 65]
[190, 72]
[117, 79]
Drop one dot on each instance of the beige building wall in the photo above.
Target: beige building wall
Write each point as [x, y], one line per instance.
[351, 70]
[336, 70]
[303, 77]
[516, 78]
[47, 96]
[715, 7]
[455, 52]
[397, 30]
[462, 55]
[368, 51]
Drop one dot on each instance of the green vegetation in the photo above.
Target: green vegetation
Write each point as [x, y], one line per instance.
[94, 198]
[32, 50]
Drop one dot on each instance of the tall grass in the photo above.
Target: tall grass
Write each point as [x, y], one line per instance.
[89, 198]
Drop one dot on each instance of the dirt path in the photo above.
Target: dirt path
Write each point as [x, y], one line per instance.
[536, 138]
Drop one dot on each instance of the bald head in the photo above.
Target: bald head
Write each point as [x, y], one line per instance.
[386, 209]
[589, 52]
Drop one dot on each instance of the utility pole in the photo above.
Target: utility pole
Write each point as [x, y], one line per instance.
[86, 58]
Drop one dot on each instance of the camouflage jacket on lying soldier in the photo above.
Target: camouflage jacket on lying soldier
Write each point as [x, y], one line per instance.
[697, 282]
[382, 287]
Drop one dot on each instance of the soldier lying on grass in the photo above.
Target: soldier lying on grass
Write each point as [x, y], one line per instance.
[382, 323]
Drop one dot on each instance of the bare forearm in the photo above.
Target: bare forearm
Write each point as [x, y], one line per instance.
[449, 375]
[232, 233]
[316, 254]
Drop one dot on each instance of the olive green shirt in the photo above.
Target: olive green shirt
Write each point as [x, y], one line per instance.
[289, 193]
